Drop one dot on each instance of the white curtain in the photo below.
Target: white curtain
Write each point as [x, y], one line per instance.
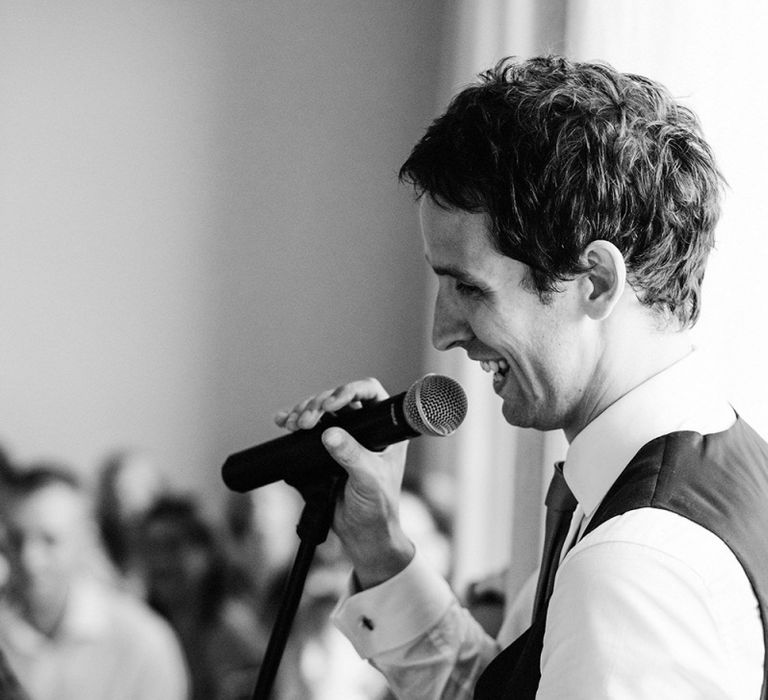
[496, 473]
[707, 52]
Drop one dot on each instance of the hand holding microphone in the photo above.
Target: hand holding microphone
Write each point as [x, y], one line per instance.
[366, 516]
[434, 405]
[345, 426]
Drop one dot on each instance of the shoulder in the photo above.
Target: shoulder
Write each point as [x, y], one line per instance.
[152, 661]
[649, 546]
[133, 624]
[655, 533]
[646, 587]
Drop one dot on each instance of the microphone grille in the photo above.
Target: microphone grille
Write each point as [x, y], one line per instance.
[435, 405]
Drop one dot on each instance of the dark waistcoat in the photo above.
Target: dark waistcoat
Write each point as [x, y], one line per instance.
[718, 481]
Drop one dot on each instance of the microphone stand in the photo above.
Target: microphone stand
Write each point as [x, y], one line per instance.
[319, 491]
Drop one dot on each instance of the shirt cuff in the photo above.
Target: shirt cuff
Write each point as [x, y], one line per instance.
[395, 612]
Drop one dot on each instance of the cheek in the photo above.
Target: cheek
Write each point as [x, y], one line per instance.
[65, 559]
[501, 331]
[549, 359]
[571, 361]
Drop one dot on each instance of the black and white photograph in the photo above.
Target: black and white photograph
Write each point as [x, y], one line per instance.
[383, 350]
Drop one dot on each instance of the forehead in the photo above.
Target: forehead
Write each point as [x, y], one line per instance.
[453, 234]
[457, 243]
[54, 508]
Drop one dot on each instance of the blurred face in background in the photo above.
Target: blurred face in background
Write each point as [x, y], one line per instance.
[48, 535]
[136, 485]
[176, 565]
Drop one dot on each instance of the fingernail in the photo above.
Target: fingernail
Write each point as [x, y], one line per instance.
[304, 421]
[332, 437]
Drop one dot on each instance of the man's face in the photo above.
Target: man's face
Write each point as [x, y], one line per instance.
[541, 355]
[46, 533]
[176, 565]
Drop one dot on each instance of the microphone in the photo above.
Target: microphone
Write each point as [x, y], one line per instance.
[433, 405]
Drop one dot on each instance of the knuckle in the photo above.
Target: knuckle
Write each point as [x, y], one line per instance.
[375, 385]
[340, 391]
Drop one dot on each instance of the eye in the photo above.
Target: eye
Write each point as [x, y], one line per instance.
[468, 290]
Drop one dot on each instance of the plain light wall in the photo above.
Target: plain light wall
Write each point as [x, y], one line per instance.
[200, 218]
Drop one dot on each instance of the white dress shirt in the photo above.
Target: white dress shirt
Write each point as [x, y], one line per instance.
[647, 606]
[108, 647]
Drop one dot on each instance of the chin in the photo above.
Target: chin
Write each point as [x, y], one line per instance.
[516, 414]
[522, 414]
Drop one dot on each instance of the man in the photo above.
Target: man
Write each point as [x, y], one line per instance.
[67, 634]
[568, 211]
[9, 684]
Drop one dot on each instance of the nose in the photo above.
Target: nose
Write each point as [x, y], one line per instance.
[450, 328]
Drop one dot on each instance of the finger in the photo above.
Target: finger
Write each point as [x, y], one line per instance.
[288, 417]
[312, 411]
[281, 416]
[353, 406]
[303, 415]
[292, 421]
[343, 448]
[352, 396]
[357, 392]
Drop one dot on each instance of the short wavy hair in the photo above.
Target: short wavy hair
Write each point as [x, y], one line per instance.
[560, 153]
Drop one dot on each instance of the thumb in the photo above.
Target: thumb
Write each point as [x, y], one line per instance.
[343, 447]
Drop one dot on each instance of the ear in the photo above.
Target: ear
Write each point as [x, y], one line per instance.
[605, 280]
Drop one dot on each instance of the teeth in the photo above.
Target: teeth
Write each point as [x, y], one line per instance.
[495, 366]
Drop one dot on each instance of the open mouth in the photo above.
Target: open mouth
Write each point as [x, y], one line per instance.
[498, 368]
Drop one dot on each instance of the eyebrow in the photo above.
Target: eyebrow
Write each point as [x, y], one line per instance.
[455, 272]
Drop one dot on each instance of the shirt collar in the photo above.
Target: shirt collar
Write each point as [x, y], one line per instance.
[86, 613]
[85, 620]
[681, 397]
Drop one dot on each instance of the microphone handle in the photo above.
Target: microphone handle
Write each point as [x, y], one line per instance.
[300, 453]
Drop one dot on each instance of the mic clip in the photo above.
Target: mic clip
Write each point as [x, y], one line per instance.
[320, 488]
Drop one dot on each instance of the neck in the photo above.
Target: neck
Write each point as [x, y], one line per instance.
[627, 362]
[47, 615]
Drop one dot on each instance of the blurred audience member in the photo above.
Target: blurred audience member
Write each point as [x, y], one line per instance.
[5, 465]
[10, 688]
[205, 598]
[261, 533]
[6, 471]
[67, 634]
[128, 485]
[319, 663]
[486, 600]
[424, 525]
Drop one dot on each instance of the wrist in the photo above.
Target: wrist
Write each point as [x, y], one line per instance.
[381, 564]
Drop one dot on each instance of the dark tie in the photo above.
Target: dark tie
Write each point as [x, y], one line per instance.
[560, 504]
